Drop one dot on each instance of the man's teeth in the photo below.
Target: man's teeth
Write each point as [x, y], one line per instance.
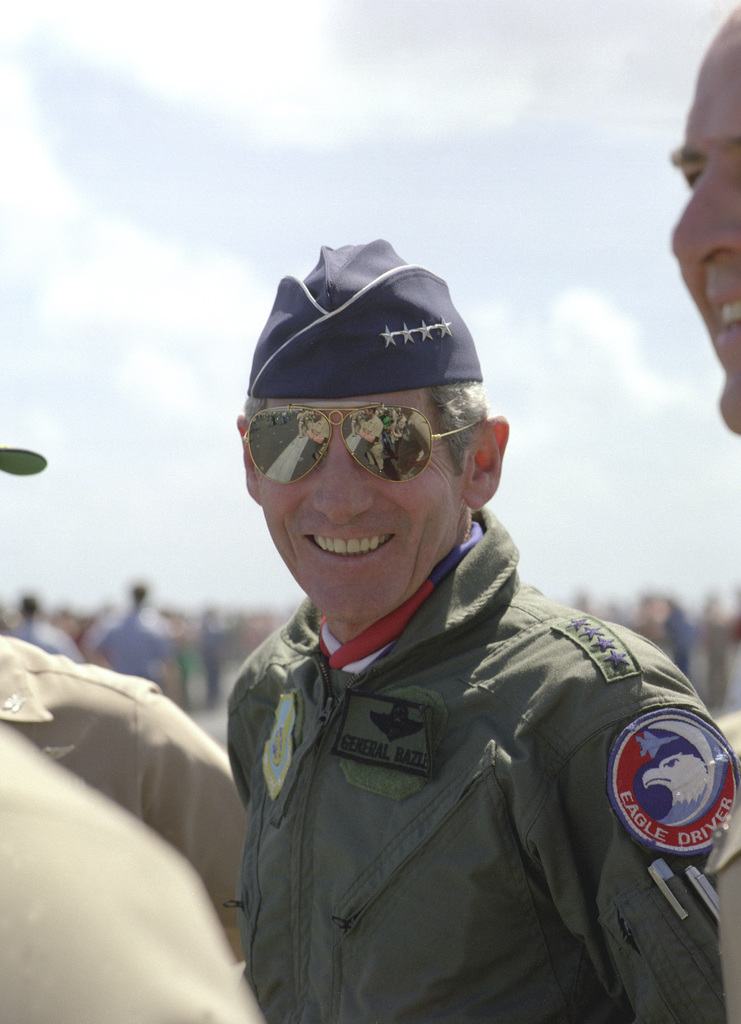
[354, 546]
[731, 312]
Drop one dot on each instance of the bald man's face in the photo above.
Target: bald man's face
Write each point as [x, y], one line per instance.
[707, 238]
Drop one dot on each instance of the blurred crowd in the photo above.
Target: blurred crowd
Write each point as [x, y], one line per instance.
[705, 643]
[194, 656]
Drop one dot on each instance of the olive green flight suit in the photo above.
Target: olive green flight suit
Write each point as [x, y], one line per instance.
[433, 840]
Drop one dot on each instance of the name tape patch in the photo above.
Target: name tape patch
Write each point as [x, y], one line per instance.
[672, 779]
[385, 732]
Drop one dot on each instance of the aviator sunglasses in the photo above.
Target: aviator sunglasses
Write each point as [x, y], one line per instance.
[393, 442]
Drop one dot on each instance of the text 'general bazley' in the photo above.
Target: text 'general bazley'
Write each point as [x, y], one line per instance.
[375, 751]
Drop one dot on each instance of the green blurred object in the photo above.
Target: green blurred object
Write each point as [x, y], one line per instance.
[20, 461]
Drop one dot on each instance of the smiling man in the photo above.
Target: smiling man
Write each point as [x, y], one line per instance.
[442, 768]
[707, 243]
[321, 522]
[707, 239]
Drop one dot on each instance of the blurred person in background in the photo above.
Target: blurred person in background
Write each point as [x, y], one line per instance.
[35, 629]
[681, 633]
[137, 642]
[733, 694]
[213, 637]
[715, 636]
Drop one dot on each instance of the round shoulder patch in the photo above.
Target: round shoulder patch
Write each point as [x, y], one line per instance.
[671, 781]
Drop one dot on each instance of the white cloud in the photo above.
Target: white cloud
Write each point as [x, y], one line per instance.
[169, 324]
[29, 182]
[326, 72]
[96, 273]
[127, 281]
[599, 347]
[159, 382]
[36, 202]
[578, 368]
[229, 55]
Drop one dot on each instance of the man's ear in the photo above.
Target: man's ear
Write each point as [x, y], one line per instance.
[252, 475]
[483, 469]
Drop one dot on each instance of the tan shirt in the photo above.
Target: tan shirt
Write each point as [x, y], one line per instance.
[127, 740]
[101, 920]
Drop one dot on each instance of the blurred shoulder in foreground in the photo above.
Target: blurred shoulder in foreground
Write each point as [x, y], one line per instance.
[102, 920]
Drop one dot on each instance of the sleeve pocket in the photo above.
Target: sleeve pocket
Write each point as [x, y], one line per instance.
[666, 965]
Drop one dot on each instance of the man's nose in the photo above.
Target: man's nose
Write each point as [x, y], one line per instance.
[710, 225]
[342, 488]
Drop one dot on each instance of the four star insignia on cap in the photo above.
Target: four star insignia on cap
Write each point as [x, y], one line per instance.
[337, 310]
[407, 333]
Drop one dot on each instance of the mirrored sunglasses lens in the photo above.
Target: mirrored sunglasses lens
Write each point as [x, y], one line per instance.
[393, 442]
[285, 444]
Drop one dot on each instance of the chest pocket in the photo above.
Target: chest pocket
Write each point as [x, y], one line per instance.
[432, 900]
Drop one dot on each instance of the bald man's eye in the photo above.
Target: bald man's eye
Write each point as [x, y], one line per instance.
[690, 167]
[692, 174]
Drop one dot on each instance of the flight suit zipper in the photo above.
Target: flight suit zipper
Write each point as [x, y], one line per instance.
[302, 926]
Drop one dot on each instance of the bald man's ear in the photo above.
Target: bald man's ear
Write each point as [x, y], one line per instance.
[252, 475]
[483, 469]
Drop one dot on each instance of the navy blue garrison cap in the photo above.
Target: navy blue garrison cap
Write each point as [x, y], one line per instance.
[363, 322]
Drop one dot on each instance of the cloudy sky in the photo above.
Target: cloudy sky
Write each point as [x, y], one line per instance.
[165, 164]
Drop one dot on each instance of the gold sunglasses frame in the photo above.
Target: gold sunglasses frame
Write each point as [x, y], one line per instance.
[343, 414]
